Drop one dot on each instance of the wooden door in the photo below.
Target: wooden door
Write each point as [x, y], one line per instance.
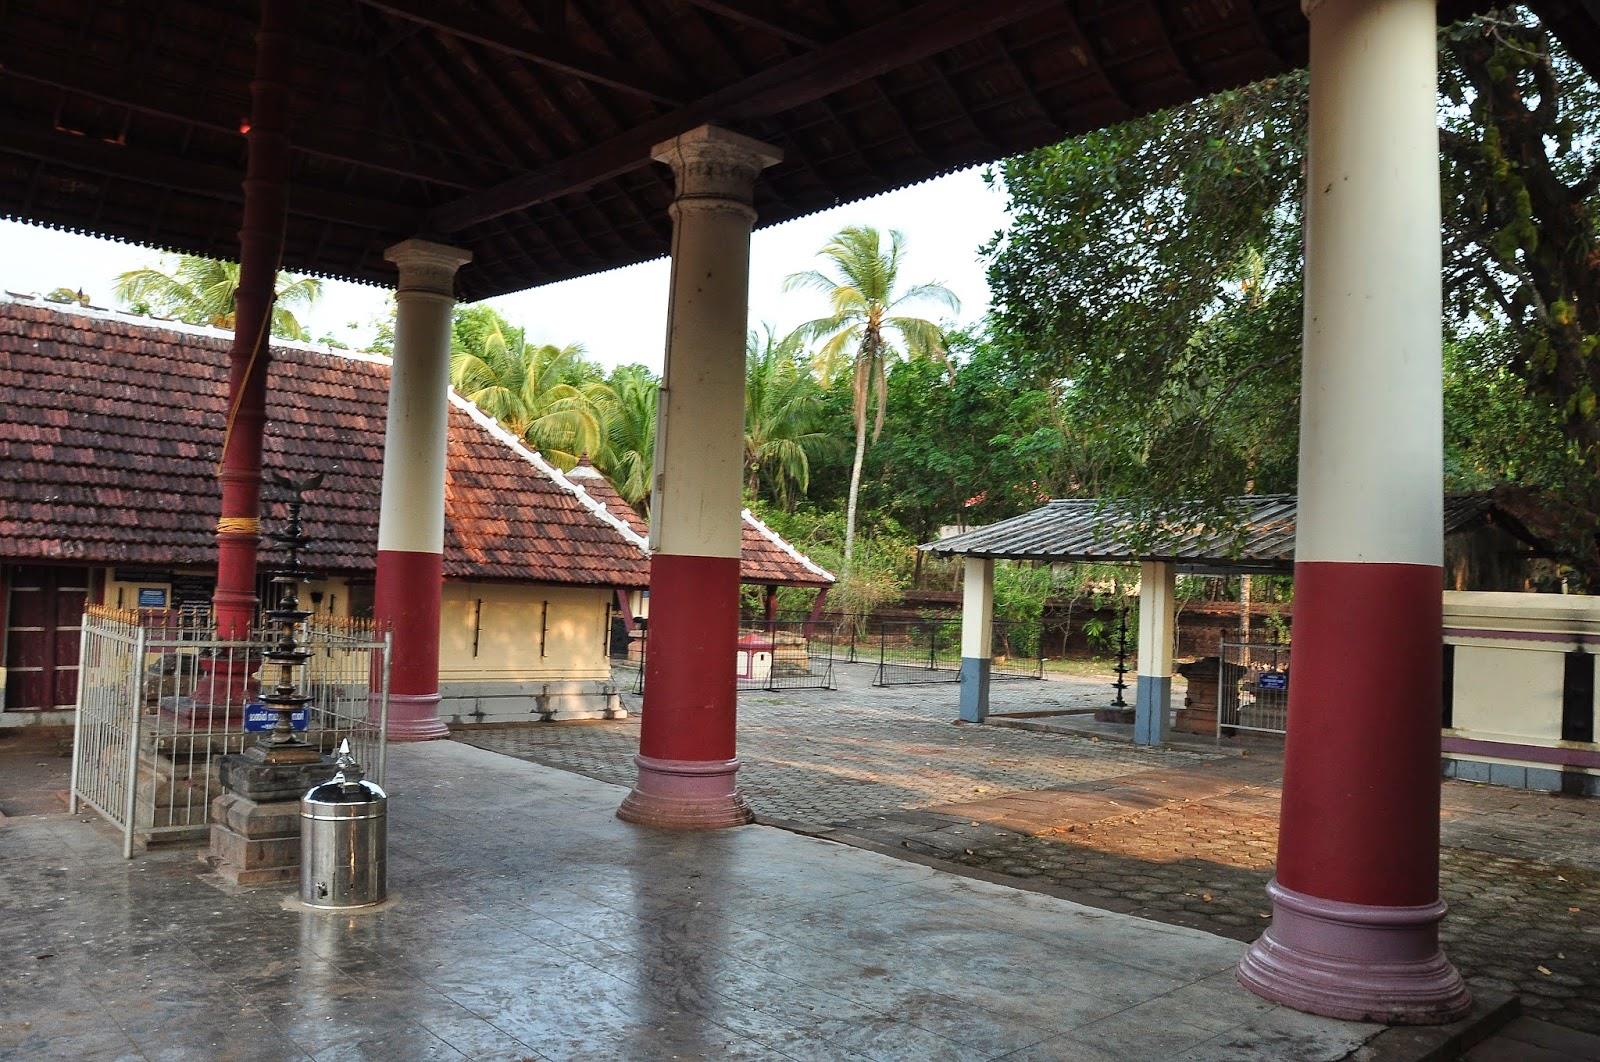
[43, 623]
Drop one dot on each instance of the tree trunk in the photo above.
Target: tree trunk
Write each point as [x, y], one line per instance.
[855, 489]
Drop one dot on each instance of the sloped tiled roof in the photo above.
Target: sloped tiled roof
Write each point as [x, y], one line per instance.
[1095, 530]
[111, 429]
[764, 557]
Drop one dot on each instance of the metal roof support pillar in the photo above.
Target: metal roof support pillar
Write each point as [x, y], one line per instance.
[1152, 703]
[266, 206]
[977, 637]
[1356, 908]
[410, 579]
[687, 741]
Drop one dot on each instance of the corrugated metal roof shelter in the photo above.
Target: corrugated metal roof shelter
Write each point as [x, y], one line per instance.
[1097, 530]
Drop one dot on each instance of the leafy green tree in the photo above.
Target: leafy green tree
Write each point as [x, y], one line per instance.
[628, 456]
[1152, 272]
[1151, 276]
[782, 413]
[200, 291]
[870, 326]
[550, 397]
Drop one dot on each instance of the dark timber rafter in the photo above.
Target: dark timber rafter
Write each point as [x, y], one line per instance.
[542, 48]
[190, 177]
[124, 88]
[916, 33]
[767, 17]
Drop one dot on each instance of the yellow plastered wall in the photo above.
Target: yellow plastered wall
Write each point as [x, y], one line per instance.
[122, 594]
[1508, 694]
[508, 620]
[1510, 659]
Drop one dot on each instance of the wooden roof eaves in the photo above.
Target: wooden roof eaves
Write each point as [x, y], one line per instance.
[915, 33]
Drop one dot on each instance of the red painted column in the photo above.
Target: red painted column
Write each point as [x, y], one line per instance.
[686, 747]
[266, 204]
[1356, 905]
[411, 521]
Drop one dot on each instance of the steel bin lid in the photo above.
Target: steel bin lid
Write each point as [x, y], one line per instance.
[347, 795]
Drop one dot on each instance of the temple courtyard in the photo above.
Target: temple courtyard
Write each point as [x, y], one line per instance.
[933, 891]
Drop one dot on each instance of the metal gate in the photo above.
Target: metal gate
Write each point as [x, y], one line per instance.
[161, 699]
[1253, 688]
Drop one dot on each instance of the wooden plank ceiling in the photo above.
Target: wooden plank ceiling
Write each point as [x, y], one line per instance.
[521, 129]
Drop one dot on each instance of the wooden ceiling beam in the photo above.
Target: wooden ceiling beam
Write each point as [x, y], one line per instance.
[122, 162]
[928, 28]
[125, 88]
[544, 49]
[767, 17]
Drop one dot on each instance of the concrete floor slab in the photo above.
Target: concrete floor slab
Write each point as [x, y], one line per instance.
[528, 922]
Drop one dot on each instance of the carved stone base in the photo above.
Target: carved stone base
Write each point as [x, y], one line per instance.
[255, 824]
[1355, 961]
[686, 795]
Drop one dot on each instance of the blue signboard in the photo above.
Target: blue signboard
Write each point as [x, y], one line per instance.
[152, 597]
[1273, 680]
[258, 717]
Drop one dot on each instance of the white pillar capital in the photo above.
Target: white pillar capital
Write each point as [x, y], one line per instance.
[715, 168]
[426, 267]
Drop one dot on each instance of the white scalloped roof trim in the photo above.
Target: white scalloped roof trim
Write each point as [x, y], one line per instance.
[773, 537]
[535, 458]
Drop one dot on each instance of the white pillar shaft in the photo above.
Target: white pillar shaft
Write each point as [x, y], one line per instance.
[1371, 435]
[977, 609]
[700, 426]
[411, 515]
[1157, 617]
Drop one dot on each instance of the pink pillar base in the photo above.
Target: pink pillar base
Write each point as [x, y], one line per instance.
[415, 717]
[1355, 961]
[685, 795]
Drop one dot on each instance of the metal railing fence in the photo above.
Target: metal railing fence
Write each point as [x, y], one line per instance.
[919, 651]
[787, 652]
[1253, 688]
[161, 699]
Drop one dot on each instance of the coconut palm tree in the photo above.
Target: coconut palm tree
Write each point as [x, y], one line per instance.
[548, 396]
[201, 291]
[869, 328]
[629, 454]
[782, 403]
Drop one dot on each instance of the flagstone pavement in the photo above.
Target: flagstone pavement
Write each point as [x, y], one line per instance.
[1186, 835]
[527, 922]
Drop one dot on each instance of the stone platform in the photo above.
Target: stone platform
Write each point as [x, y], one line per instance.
[528, 922]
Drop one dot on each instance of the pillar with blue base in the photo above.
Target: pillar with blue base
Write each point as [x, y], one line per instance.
[977, 637]
[1152, 707]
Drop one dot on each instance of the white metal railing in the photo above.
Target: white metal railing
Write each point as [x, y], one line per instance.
[161, 699]
[1253, 688]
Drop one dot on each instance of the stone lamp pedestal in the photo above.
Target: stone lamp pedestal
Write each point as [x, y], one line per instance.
[255, 823]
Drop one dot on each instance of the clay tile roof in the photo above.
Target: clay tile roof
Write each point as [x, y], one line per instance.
[112, 427]
[764, 557]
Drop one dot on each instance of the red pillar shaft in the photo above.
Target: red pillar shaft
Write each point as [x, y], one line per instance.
[266, 202]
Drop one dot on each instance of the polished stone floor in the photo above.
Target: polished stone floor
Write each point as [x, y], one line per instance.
[527, 922]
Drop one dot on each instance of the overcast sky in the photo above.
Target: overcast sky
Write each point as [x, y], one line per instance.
[620, 316]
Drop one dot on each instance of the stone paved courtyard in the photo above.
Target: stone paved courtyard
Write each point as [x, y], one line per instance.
[526, 922]
[1185, 836]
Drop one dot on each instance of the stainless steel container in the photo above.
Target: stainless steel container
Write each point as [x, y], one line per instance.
[343, 840]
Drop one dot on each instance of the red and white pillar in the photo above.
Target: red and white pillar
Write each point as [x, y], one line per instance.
[686, 746]
[411, 518]
[1356, 904]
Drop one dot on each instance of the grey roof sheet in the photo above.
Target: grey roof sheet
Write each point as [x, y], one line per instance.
[1093, 529]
